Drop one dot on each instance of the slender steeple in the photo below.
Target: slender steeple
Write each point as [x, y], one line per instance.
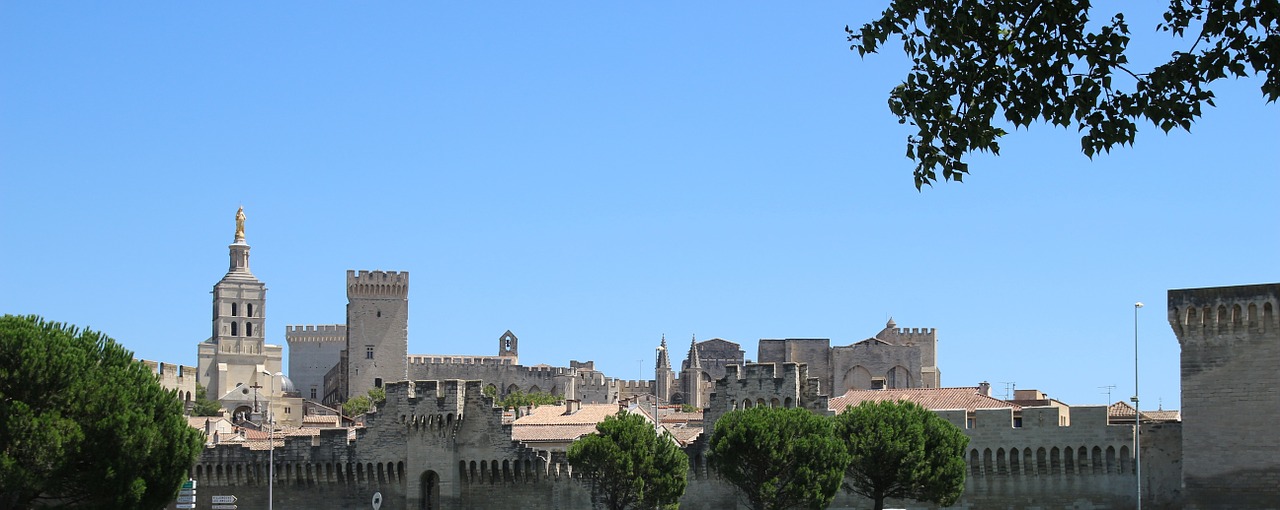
[664, 363]
[694, 360]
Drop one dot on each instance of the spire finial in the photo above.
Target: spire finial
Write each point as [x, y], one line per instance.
[240, 224]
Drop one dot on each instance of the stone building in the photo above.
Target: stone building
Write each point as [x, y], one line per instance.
[313, 351]
[893, 358]
[1230, 338]
[236, 356]
[704, 363]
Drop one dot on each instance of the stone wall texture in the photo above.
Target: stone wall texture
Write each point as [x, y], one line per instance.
[1230, 339]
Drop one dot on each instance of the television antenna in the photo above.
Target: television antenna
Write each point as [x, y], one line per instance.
[1108, 389]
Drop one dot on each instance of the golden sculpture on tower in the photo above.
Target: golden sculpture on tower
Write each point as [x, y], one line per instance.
[240, 223]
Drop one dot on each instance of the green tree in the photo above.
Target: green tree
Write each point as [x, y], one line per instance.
[779, 458]
[203, 406]
[900, 450]
[519, 399]
[83, 424]
[980, 64]
[629, 465]
[364, 403]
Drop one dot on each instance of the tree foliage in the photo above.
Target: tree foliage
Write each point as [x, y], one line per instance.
[980, 64]
[83, 424]
[779, 458]
[518, 399]
[364, 403]
[900, 450]
[629, 465]
[202, 405]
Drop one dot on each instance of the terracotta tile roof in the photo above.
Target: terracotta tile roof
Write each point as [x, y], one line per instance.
[551, 432]
[684, 435]
[322, 420]
[1122, 411]
[936, 399]
[551, 423]
[555, 415]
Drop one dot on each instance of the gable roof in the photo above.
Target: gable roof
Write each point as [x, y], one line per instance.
[551, 423]
[933, 399]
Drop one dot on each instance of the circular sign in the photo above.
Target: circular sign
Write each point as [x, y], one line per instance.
[377, 500]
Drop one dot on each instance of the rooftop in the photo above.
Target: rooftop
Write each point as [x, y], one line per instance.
[934, 399]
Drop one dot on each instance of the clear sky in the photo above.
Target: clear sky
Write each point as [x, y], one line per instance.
[591, 176]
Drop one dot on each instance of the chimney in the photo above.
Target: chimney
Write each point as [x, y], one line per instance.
[984, 389]
[572, 406]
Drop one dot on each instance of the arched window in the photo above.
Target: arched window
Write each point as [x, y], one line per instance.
[248, 309]
[248, 329]
[235, 330]
[234, 311]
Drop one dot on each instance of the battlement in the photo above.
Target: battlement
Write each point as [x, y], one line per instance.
[1198, 314]
[168, 370]
[316, 333]
[761, 371]
[377, 284]
[444, 359]
[915, 331]
[633, 384]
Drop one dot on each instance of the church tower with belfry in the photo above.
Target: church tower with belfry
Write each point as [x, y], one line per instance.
[235, 363]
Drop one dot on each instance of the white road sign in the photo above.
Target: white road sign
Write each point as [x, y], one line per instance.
[219, 500]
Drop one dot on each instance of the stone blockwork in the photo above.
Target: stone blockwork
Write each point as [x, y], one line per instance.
[377, 329]
[1230, 339]
[893, 358]
[313, 351]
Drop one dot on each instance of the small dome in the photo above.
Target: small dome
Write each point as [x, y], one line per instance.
[286, 385]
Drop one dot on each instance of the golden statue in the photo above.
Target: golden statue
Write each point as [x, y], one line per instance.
[240, 223]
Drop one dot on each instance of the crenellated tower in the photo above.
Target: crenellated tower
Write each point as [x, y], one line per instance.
[377, 329]
[1230, 338]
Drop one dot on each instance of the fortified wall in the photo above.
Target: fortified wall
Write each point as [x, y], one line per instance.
[313, 351]
[174, 377]
[1230, 338]
[433, 444]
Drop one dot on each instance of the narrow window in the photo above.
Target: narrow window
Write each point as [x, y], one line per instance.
[248, 329]
[233, 310]
[377, 382]
[234, 328]
[368, 351]
[248, 309]
[313, 393]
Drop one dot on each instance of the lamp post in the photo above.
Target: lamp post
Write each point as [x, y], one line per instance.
[271, 443]
[1137, 413]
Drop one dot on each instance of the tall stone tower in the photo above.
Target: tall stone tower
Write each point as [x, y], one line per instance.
[236, 353]
[663, 375]
[377, 329]
[1230, 338]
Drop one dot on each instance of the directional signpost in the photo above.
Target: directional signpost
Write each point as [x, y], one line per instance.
[224, 502]
[187, 496]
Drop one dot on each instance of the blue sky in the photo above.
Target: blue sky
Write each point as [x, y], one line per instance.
[592, 176]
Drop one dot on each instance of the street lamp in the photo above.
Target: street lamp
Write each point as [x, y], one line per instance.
[1137, 413]
[271, 441]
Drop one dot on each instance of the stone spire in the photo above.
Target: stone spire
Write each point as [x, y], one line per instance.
[694, 360]
[664, 363]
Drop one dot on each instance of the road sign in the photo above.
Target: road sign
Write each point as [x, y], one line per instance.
[187, 492]
[223, 500]
[224, 507]
[189, 484]
[187, 499]
[185, 505]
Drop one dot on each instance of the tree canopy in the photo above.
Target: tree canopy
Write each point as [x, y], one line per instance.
[779, 458]
[83, 424]
[202, 405]
[900, 450]
[629, 465]
[978, 65]
[361, 404]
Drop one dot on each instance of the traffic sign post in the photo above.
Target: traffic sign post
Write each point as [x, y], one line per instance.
[224, 500]
[185, 505]
[224, 507]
